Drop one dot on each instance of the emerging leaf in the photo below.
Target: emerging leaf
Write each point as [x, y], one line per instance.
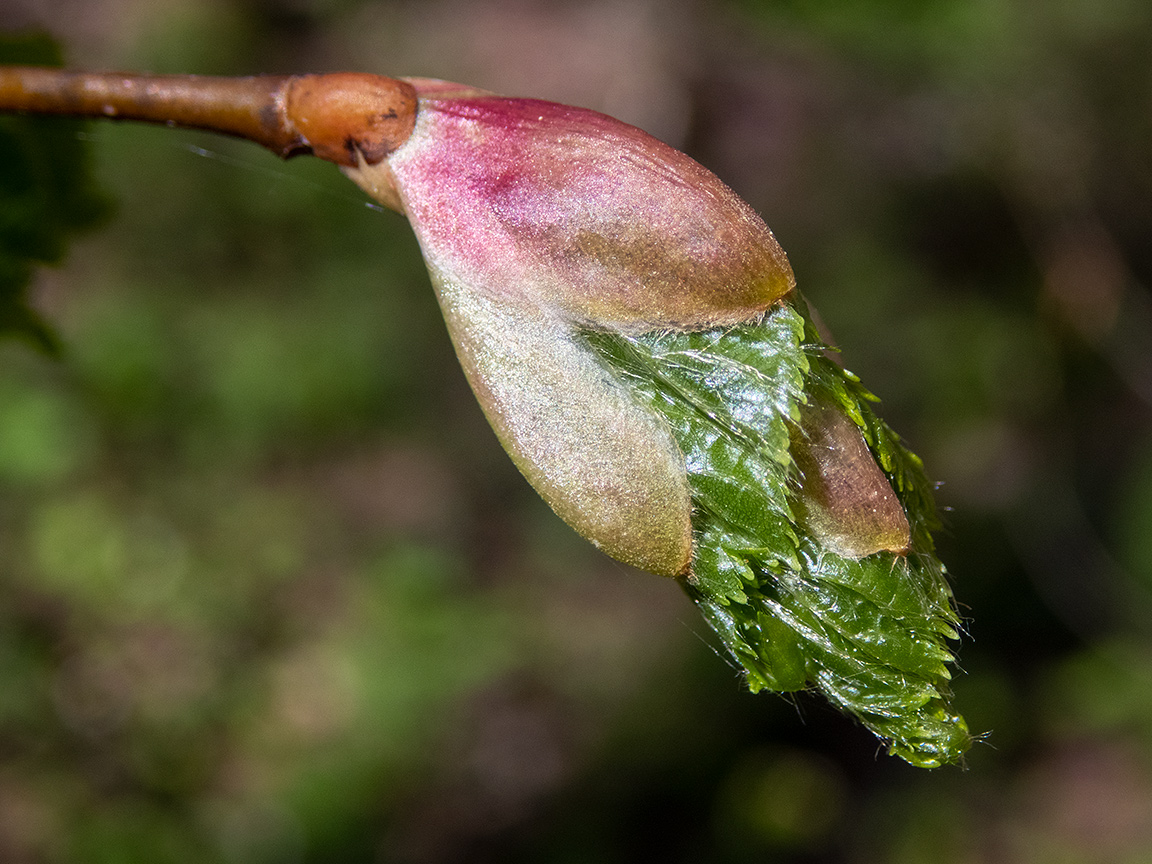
[852, 601]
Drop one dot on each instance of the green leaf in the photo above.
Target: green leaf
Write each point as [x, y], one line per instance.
[46, 193]
[870, 632]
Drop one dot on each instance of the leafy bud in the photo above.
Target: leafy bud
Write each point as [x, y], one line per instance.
[630, 328]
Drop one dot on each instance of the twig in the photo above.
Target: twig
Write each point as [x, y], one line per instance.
[339, 117]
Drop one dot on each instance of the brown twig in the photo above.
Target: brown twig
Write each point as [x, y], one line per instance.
[339, 117]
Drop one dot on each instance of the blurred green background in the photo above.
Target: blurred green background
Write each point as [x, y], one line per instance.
[270, 591]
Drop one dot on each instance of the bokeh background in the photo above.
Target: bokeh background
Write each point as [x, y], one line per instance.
[270, 591]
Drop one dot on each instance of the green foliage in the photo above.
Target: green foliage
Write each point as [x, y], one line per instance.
[867, 633]
[46, 193]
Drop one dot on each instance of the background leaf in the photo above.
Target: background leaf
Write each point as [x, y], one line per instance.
[46, 193]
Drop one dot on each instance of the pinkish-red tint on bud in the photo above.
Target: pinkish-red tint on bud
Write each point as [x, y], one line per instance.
[566, 207]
